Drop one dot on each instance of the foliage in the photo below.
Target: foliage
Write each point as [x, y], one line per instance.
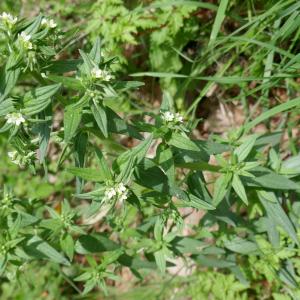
[94, 184]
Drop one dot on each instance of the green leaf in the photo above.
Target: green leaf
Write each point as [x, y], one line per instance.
[38, 99]
[270, 180]
[40, 249]
[95, 53]
[67, 82]
[94, 243]
[239, 188]
[277, 214]
[9, 75]
[149, 175]
[88, 174]
[221, 188]
[63, 66]
[34, 27]
[242, 246]
[6, 107]
[67, 245]
[99, 114]
[103, 164]
[245, 148]
[160, 260]
[200, 203]
[218, 21]
[271, 112]
[72, 118]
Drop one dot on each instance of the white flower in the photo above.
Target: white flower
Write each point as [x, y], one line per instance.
[15, 118]
[8, 19]
[121, 188]
[118, 191]
[178, 118]
[110, 193]
[25, 40]
[101, 74]
[48, 23]
[169, 117]
[14, 156]
[123, 197]
[20, 160]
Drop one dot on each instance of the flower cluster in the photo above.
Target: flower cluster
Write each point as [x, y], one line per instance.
[20, 160]
[24, 39]
[15, 118]
[170, 117]
[48, 23]
[118, 191]
[101, 74]
[8, 19]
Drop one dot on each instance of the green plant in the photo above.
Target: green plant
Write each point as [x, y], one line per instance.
[73, 108]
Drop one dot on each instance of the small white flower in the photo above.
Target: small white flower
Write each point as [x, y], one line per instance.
[15, 118]
[178, 118]
[101, 74]
[48, 23]
[110, 193]
[8, 19]
[123, 197]
[25, 40]
[169, 117]
[118, 191]
[121, 188]
[13, 155]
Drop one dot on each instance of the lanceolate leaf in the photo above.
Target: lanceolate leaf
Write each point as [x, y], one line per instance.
[38, 99]
[99, 114]
[72, 117]
[88, 174]
[277, 214]
[239, 188]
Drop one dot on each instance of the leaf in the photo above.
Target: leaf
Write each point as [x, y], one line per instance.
[9, 75]
[239, 188]
[88, 63]
[99, 114]
[72, 118]
[6, 107]
[118, 125]
[67, 82]
[200, 203]
[95, 53]
[34, 27]
[160, 260]
[67, 245]
[63, 66]
[242, 246]
[272, 112]
[270, 180]
[221, 188]
[218, 21]
[40, 249]
[44, 130]
[88, 174]
[123, 86]
[245, 148]
[167, 102]
[103, 164]
[188, 245]
[94, 243]
[148, 174]
[277, 214]
[38, 99]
